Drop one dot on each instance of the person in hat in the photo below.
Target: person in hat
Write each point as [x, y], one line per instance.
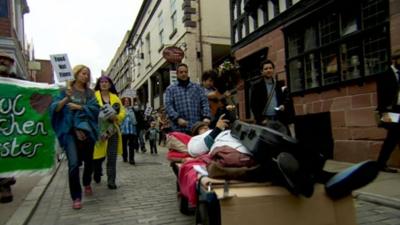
[6, 64]
[388, 92]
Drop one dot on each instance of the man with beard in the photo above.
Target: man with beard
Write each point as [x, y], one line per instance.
[6, 64]
[186, 102]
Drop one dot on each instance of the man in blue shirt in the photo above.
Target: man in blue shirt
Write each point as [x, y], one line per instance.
[186, 102]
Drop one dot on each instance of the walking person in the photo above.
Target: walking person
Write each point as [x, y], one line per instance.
[165, 126]
[388, 92]
[186, 102]
[110, 143]
[141, 127]
[152, 134]
[74, 116]
[129, 133]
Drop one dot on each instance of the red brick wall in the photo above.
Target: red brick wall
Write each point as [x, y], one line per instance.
[45, 75]
[276, 52]
[354, 129]
[353, 123]
[5, 27]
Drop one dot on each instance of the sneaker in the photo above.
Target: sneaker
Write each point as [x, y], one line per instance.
[294, 179]
[388, 170]
[77, 204]
[88, 190]
[352, 178]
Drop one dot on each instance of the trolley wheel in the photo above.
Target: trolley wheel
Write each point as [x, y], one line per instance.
[208, 213]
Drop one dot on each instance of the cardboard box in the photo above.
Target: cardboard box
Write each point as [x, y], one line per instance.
[276, 206]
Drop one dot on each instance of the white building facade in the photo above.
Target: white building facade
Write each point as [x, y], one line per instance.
[200, 28]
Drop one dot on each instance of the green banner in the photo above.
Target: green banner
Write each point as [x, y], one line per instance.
[27, 140]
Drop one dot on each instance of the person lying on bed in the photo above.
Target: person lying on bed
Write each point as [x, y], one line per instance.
[286, 169]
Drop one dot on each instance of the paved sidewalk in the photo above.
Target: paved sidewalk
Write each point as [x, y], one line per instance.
[385, 190]
[28, 191]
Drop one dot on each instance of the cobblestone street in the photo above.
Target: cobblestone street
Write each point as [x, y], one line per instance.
[146, 194]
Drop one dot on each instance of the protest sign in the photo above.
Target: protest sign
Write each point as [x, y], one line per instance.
[173, 79]
[61, 67]
[148, 110]
[27, 140]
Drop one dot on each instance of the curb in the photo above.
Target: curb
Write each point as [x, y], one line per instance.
[378, 199]
[24, 212]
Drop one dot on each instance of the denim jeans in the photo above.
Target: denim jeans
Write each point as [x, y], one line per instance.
[77, 152]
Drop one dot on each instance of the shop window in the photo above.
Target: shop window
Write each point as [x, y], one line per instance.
[312, 70]
[3, 8]
[376, 53]
[338, 44]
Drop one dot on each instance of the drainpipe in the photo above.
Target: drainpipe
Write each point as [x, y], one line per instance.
[200, 40]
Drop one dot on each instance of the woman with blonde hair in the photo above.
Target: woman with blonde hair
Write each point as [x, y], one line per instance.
[110, 143]
[74, 114]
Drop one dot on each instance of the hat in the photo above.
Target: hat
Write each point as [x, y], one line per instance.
[6, 55]
[396, 54]
[196, 127]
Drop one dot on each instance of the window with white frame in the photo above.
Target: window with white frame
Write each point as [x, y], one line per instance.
[282, 5]
[161, 28]
[148, 50]
[173, 10]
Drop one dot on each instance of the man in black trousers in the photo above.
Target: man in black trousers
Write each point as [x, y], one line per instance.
[267, 100]
[388, 91]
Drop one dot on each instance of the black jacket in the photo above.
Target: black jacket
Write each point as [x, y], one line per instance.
[259, 97]
[387, 92]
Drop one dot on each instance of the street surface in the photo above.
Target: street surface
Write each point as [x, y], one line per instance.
[146, 194]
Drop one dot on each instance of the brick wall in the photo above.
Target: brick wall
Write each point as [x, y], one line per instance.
[354, 128]
[274, 41]
[353, 122]
[5, 27]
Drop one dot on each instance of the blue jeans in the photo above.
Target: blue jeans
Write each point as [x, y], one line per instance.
[76, 152]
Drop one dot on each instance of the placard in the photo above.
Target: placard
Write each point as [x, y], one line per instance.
[61, 67]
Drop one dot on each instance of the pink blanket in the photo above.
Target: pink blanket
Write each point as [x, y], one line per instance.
[187, 178]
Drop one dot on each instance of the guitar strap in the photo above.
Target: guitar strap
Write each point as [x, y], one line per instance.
[270, 95]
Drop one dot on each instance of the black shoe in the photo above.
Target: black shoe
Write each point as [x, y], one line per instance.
[294, 179]
[132, 162]
[125, 160]
[5, 194]
[352, 178]
[388, 170]
[97, 179]
[8, 181]
[112, 186]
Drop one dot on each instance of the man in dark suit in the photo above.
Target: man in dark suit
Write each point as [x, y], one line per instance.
[388, 94]
[267, 101]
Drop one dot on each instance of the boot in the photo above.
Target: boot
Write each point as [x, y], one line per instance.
[5, 194]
